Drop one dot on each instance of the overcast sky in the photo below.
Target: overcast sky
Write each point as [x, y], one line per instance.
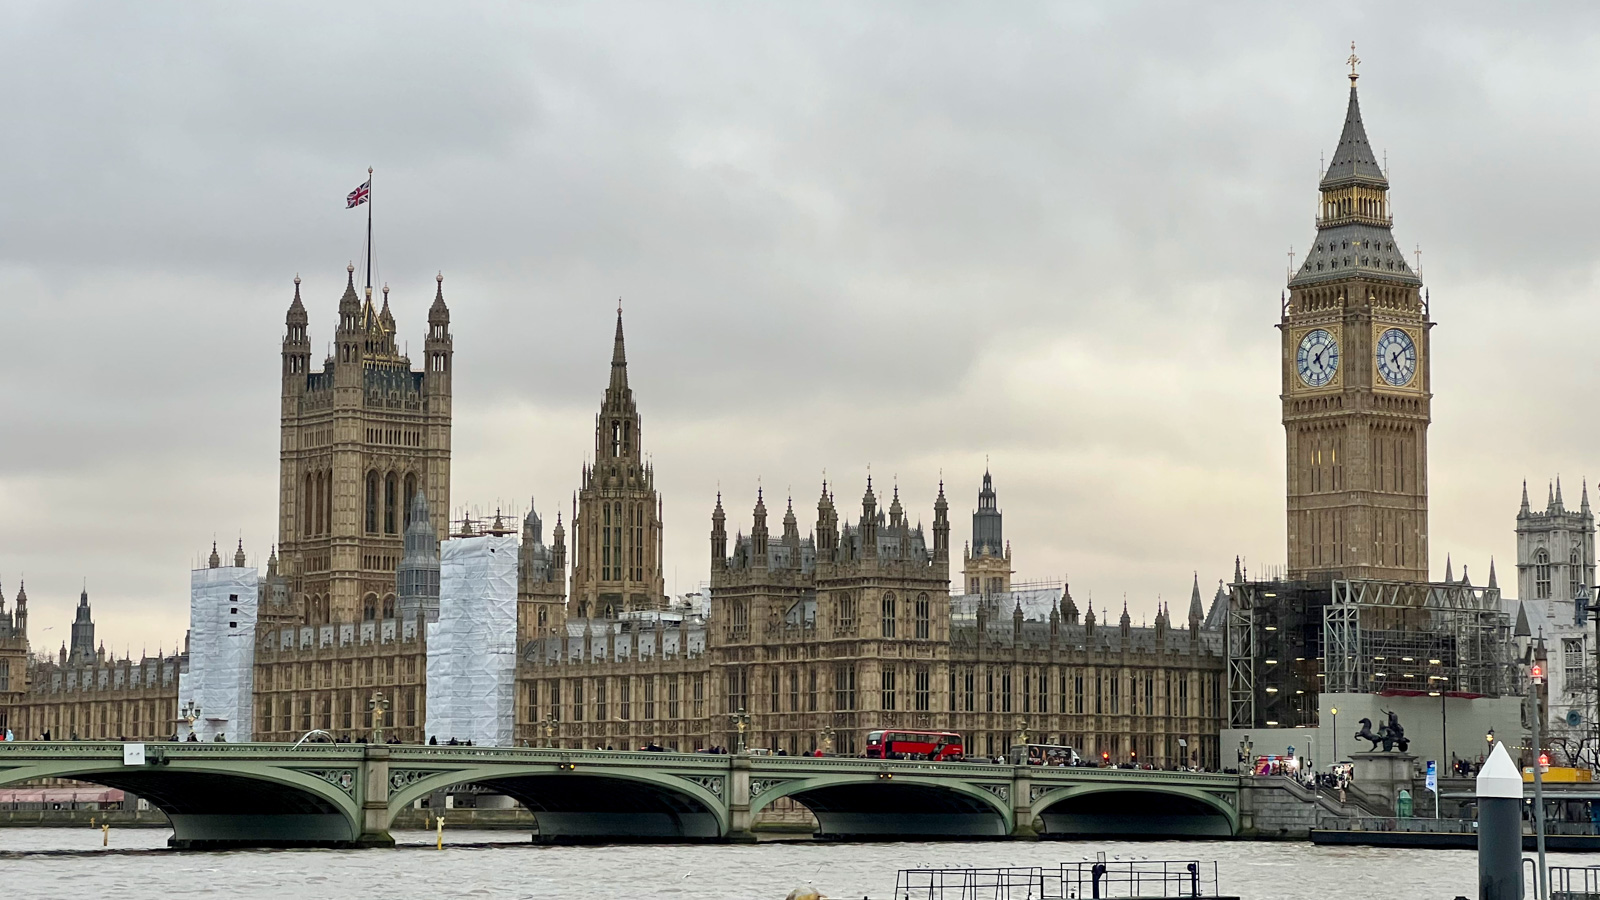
[906, 236]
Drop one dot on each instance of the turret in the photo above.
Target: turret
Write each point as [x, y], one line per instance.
[869, 523]
[215, 562]
[1069, 607]
[20, 615]
[791, 534]
[1196, 611]
[438, 348]
[941, 530]
[1125, 624]
[296, 346]
[238, 555]
[558, 549]
[347, 339]
[758, 534]
[719, 537]
[827, 526]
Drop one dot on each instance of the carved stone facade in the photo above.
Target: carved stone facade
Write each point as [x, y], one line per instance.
[325, 676]
[359, 439]
[83, 694]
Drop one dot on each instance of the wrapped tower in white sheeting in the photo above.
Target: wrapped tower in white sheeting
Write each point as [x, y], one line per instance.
[472, 648]
[222, 641]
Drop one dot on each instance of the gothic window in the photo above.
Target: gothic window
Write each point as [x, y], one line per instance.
[924, 623]
[616, 543]
[1574, 572]
[369, 608]
[407, 496]
[544, 616]
[388, 607]
[844, 687]
[605, 542]
[886, 679]
[811, 689]
[975, 584]
[372, 502]
[1541, 575]
[600, 712]
[1572, 660]
[391, 490]
[1005, 690]
[305, 508]
[888, 615]
[616, 439]
[627, 437]
[794, 691]
[577, 699]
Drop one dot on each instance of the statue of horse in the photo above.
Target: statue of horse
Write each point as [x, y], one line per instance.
[1365, 734]
[1391, 735]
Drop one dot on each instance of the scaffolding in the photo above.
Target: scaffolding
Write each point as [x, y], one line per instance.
[1289, 641]
[1391, 636]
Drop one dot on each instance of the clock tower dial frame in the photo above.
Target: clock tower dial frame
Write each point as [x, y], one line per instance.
[1356, 441]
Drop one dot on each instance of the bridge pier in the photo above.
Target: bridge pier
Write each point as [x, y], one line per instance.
[739, 802]
[1022, 804]
[375, 798]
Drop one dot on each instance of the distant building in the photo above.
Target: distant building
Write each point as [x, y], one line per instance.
[986, 561]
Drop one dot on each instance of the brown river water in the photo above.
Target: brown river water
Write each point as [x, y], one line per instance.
[71, 864]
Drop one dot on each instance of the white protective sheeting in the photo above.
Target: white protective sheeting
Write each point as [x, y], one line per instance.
[472, 649]
[222, 642]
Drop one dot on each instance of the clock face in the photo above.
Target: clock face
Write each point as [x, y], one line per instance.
[1396, 357]
[1318, 358]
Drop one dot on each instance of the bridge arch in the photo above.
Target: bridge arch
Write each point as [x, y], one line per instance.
[868, 805]
[587, 803]
[1142, 809]
[217, 804]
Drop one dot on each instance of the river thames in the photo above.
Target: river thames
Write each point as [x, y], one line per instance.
[70, 863]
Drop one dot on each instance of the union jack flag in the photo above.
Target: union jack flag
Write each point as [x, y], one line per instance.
[358, 196]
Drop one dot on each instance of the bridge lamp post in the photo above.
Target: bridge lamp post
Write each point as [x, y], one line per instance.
[550, 724]
[1022, 731]
[827, 739]
[377, 705]
[190, 714]
[1334, 711]
[741, 722]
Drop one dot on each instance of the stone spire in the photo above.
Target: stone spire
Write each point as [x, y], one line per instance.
[1238, 571]
[238, 555]
[272, 562]
[719, 536]
[1196, 611]
[1524, 511]
[1560, 507]
[82, 630]
[1493, 584]
[215, 561]
[1550, 501]
[1584, 505]
[1069, 608]
[619, 358]
[1449, 572]
[987, 522]
[1125, 624]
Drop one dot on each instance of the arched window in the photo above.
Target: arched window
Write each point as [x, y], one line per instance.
[1574, 572]
[305, 508]
[388, 607]
[372, 502]
[369, 608]
[888, 615]
[1541, 575]
[391, 492]
[924, 622]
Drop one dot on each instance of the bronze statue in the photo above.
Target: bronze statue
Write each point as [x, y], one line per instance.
[1390, 735]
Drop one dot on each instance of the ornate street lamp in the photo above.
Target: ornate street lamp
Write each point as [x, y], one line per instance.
[190, 714]
[1022, 731]
[377, 705]
[827, 740]
[550, 724]
[741, 722]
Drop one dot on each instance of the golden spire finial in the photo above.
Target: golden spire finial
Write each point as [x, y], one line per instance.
[1354, 61]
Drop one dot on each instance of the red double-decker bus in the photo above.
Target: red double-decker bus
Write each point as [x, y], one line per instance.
[934, 745]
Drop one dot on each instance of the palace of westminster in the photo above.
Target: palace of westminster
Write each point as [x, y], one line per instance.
[809, 635]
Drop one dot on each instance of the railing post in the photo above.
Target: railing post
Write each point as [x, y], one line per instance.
[374, 796]
[739, 800]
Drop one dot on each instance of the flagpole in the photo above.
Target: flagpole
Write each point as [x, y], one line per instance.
[369, 232]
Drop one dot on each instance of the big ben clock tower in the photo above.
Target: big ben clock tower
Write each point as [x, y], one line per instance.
[1356, 392]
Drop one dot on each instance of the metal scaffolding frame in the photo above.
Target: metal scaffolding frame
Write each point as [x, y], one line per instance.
[1288, 642]
[1241, 666]
[1425, 637]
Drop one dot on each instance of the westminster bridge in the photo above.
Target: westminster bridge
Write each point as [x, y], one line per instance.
[347, 795]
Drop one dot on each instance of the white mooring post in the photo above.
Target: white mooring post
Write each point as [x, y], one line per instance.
[1499, 827]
